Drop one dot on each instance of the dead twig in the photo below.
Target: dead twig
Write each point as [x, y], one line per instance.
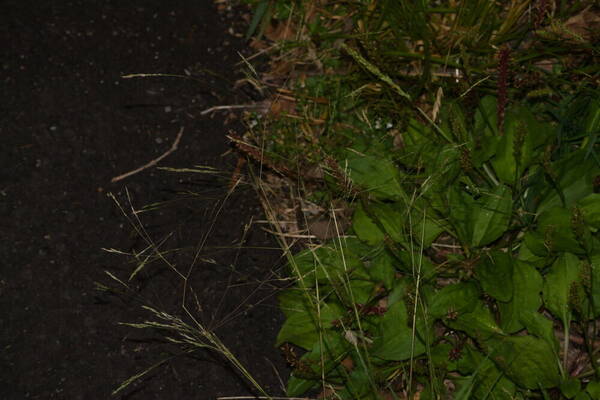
[153, 162]
[262, 106]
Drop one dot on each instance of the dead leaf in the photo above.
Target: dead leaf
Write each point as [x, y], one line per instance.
[282, 104]
[280, 30]
[348, 363]
[581, 27]
[257, 44]
[323, 229]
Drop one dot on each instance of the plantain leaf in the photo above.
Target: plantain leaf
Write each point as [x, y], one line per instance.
[303, 322]
[461, 207]
[424, 227]
[574, 181]
[495, 274]
[570, 387]
[325, 355]
[593, 389]
[479, 323]
[491, 216]
[486, 128]
[486, 380]
[594, 288]
[528, 361]
[329, 264]
[390, 219]
[365, 228]
[381, 269]
[557, 286]
[540, 326]
[527, 286]
[379, 177]
[555, 226]
[457, 299]
[395, 340]
[516, 148]
[590, 208]
[298, 386]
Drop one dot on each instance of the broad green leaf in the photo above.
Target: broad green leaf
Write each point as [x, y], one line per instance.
[391, 219]
[442, 169]
[360, 291]
[294, 300]
[479, 323]
[555, 226]
[539, 326]
[441, 356]
[595, 285]
[419, 149]
[424, 226]
[365, 228]
[471, 359]
[377, 176]
[526, 253]
[304, 320]
[413, 263]
[487, 381]
[486, 117]
[570, 289]
[593, 117]
[558, 285]
[570, 387]
[330, 264]
[593, 389]
[324, 356]
[399, 291]
[582, 396]
[491, 216]
[486, 130]
[464, 387]
[358, 386]
[516, 148]
[590, 208]
[298, 386]
[300, 329]
[528, 361]
[495, 274]
[575, 176]
[526, 298]
[461, 208]
[456, 299]
[535, 244]
[395, 340]
[492, 384]
[381, 269]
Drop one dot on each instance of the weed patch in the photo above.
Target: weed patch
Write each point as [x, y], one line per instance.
[463, 137]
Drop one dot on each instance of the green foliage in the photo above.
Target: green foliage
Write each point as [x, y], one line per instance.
[513, 257]
[476, 218]
[528, 361]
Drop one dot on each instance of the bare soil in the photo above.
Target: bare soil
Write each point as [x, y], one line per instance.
[70, 123]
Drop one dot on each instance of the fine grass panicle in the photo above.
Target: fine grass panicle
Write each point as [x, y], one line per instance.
[182, 320]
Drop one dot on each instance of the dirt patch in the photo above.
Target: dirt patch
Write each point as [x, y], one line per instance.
[70, 124]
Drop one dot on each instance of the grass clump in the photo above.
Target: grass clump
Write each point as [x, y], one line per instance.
[463, 137]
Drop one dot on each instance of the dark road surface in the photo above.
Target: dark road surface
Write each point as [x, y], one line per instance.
[69, 124]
